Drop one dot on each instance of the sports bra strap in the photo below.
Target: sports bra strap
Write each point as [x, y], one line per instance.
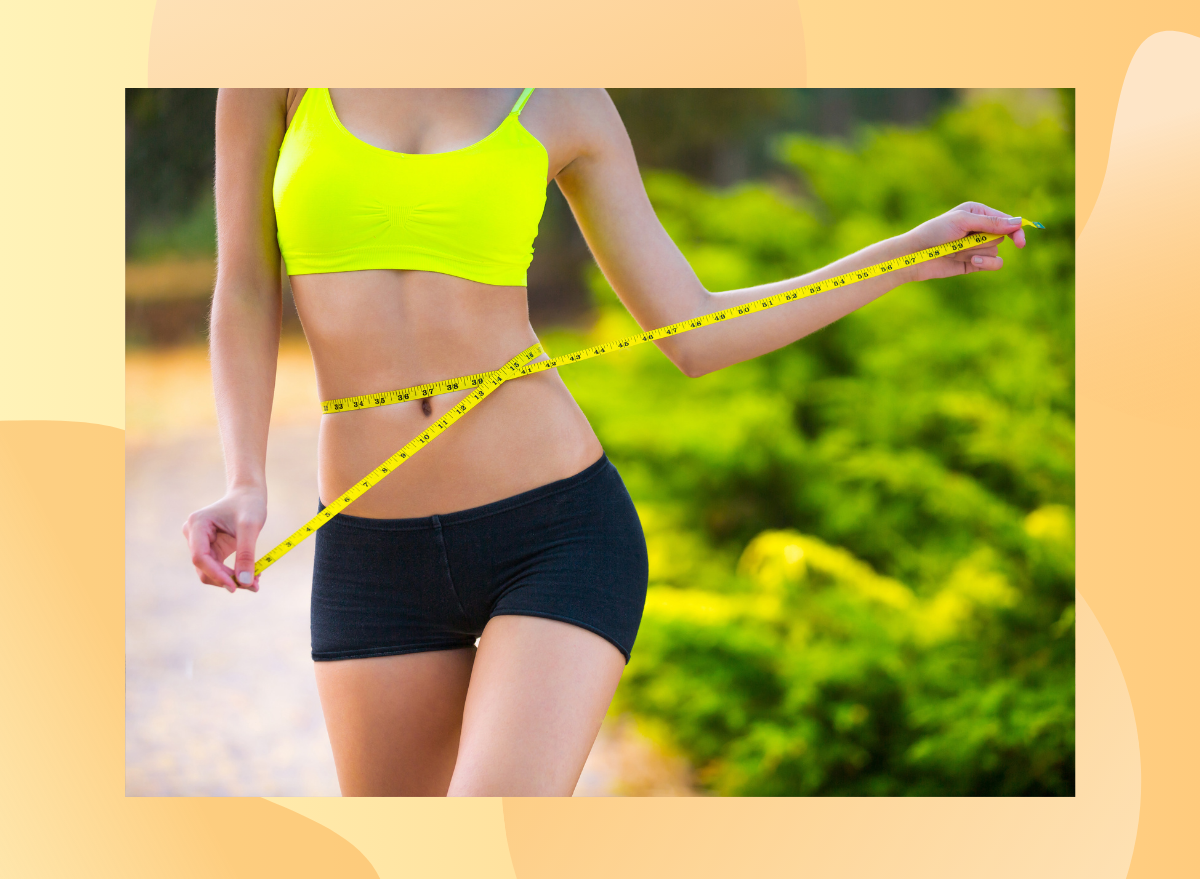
[519, 105]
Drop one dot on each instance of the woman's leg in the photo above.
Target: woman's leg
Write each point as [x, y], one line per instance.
[394, 721]
[538, 692]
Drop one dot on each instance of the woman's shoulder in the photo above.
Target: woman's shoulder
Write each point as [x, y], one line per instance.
[573, 122]
[577, 109]
[247, 112]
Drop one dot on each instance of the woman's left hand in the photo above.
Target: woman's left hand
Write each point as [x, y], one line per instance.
[968, 217]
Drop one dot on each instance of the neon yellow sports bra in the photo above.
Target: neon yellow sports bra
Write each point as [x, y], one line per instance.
[342, 204]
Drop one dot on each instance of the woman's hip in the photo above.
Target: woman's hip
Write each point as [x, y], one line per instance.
[571, 550]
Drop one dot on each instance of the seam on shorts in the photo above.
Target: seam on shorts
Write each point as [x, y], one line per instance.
[364, 652]
[565, 619]
[437, 534]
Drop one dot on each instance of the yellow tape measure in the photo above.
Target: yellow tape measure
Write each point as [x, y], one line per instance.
[486, 382]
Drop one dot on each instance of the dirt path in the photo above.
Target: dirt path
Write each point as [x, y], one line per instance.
[220, 697]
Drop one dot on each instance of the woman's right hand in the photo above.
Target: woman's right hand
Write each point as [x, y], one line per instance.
[230, 525]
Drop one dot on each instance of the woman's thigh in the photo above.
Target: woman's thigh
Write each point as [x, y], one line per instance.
[538, 692]
[394, 721]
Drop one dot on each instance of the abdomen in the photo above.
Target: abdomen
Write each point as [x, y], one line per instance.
[381, 330]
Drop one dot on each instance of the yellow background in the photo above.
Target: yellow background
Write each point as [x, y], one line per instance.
[61, 356]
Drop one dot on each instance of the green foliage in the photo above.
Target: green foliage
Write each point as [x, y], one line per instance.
[721, 135]
[191, 234]
[168, 165]
[862, 545]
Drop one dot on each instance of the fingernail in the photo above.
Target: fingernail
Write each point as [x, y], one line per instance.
[1015, 219]
[978, 260]
[245, 578]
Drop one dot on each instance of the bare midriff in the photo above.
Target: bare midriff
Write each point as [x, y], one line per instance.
[379, 330]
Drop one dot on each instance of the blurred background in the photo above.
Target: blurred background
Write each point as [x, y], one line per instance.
[861, 545]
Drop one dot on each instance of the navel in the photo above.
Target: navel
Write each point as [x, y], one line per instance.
[426, 408]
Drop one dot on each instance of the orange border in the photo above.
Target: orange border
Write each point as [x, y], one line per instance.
[65, 814]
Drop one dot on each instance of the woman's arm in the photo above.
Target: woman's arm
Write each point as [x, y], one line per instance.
[655, 282]
[244, 331]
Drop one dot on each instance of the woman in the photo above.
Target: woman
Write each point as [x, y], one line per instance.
[405, 219]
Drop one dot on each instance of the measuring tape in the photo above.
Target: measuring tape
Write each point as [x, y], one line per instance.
[484, 383]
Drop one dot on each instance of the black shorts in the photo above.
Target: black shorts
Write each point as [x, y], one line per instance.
[572, 550]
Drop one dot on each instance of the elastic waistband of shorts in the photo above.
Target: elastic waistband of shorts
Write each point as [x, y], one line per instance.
[458, 516]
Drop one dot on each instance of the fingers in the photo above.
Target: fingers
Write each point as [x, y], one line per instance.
[982, 263]
[213, 572]
[224, 582]
[201, 534]
[206, 578]
[975, 217]
[978, 208]
[247, 534]
[999, 225]
[206, 542]
[981, 209]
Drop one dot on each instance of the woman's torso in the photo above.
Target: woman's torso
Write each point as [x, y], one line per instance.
[380, 329]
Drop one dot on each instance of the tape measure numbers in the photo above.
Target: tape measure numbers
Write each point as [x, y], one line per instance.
[521, 365]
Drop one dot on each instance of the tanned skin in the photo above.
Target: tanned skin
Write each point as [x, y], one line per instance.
[518, 715]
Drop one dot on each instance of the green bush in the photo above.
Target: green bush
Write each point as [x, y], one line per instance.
[862, 550]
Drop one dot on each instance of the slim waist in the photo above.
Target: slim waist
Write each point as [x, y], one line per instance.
[533, 495]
